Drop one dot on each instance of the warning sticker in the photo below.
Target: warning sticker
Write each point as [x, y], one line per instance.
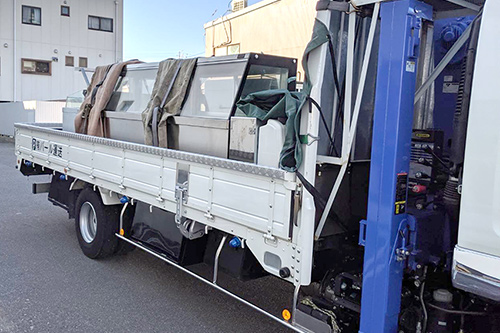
[450, 88]
[410, 66]
[401, 193]
[448, 78]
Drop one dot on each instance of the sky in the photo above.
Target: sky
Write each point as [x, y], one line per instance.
[158, 29]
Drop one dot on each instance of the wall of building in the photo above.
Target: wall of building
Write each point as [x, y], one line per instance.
[277, 27]
[57, 37]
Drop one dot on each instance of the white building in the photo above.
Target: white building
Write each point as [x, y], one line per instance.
[44, 42]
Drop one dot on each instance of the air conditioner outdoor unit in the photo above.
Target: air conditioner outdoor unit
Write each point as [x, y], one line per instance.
[238, 5]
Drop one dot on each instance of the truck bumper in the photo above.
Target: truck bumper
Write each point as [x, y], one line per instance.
[477, 273]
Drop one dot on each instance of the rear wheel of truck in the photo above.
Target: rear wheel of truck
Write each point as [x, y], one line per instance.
[96, 225]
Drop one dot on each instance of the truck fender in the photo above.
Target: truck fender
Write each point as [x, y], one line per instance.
[77, 185]
[109, 197]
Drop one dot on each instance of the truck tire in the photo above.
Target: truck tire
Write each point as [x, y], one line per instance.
[96, 225]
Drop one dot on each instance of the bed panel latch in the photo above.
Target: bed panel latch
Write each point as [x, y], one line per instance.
[181, 192]
[180, 200]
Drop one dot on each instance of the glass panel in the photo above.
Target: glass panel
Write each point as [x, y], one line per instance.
[221, 51]
[106, 24]
[26, 15]
[265, 78]
[213, 90]
[32, 15]
[36, 16]
[42, 67]
[65, 10]
[29, 66]
[75, 100]
[82, 62]
[70, 61]
[93, 22]
[233, 49]
[133, 91]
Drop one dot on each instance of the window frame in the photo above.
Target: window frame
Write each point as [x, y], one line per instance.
[100, 18]
[72, 61]
[31, 23]
[35, 72]
[69, 11]
[80, 62]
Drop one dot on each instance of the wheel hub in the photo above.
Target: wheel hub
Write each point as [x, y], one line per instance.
[88, 222]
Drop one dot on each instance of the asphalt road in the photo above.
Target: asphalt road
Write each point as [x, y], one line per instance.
[48, 285]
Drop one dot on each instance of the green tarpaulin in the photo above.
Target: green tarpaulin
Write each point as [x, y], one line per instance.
[274, 104]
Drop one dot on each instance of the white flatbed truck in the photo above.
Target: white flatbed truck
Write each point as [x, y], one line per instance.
[394, 248]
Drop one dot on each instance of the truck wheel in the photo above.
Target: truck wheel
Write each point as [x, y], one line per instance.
[96, 225]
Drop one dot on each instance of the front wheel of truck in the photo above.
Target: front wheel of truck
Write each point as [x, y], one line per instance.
[96, 225]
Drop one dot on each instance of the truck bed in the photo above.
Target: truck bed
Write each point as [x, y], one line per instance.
[250, 201]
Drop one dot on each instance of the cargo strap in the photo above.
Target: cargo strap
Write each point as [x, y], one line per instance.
[319, 201]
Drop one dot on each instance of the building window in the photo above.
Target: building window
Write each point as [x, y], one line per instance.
[70, 61]
[64, 10]
[32, 15]
[83, 62]
[40, 67]
[100, 23]
[233, 49]
[227, 50]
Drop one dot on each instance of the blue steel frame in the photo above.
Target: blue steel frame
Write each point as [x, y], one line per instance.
[392, 128]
